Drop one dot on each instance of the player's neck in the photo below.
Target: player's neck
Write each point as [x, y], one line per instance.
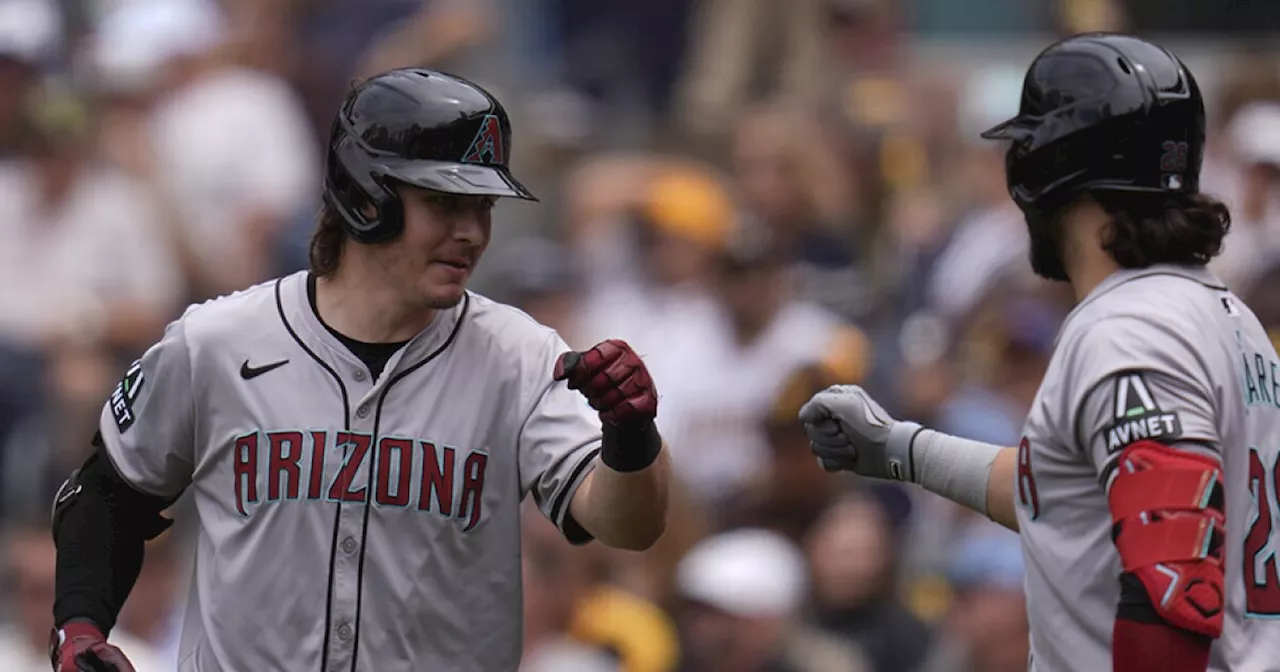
[360, 306]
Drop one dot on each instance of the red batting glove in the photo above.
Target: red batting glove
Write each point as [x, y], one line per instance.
[614, 380]
[81, 647]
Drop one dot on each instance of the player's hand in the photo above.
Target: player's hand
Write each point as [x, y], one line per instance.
[849, 431]
[81, 647]
[614, 380]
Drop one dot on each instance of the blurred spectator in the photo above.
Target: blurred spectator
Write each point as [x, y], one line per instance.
[743, 593]
[574, 619]
[790, 492]
[30, 41]
[726, 372]
[1264, 300]
[794, 183]
[1003, 351]
[624, 57]
[227, 147]
[739, 49]
[539, 276]
[647, 232]
[985, 629]
[1008, 342]
[30, 569]
[1252, 192]
[86, 282]
[85, 253]
[991, 235]
[951, 241]
[852, 552]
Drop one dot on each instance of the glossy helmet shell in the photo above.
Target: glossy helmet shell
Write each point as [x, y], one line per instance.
[1103, 111]
[418, 127]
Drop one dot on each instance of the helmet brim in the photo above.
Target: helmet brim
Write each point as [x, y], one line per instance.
[1011, 129]
[457, 178]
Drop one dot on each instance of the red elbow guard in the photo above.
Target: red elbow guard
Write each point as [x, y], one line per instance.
[1168, 526]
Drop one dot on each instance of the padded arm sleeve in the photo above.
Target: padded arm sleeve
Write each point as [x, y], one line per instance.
[100, 525]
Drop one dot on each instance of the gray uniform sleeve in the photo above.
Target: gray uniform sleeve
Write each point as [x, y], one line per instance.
[147, 424]
[558, 441]
[1135, 380]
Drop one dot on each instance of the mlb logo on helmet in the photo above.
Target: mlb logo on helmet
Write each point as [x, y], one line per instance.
[487, 145]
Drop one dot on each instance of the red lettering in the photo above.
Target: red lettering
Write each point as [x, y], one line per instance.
[355, 446]
[472, 488]
[245, 471]
[437, 479]
[319, 442]
[403, 459]
[286, 450]
[1027, 494]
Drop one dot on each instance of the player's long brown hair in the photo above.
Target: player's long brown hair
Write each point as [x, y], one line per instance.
[326, 243]
[1149, 229]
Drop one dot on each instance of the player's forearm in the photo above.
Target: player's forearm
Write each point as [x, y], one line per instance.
[1000, 494]
[978, 475]
[625, 510]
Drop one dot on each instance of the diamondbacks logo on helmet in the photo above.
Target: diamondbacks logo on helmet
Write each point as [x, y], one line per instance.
[487, 145]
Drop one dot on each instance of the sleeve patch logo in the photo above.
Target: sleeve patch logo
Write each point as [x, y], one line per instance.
[124, 395]
[1138, 417]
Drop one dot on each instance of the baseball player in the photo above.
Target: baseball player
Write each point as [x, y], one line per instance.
[357, 439]
[1145, 484]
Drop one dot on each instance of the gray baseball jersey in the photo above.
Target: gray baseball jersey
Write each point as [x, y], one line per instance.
[349, 524]
[1169, 354]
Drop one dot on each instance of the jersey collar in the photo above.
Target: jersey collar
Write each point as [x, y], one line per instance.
[1198, 274]
[302, 319]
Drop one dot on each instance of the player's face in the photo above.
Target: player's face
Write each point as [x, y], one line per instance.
[444, 238]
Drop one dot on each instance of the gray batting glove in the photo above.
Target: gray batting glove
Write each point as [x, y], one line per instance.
[849, 431]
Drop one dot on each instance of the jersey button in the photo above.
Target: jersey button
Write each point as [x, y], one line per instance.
[363, 411]
[348, 545]
[359, 374]
[344, 632]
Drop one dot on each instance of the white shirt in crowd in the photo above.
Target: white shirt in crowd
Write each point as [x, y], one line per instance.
[58, 268]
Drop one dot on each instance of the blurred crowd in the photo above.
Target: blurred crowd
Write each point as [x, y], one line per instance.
[765, 197]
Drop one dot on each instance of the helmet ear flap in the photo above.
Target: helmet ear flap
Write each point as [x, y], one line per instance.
[350, 192]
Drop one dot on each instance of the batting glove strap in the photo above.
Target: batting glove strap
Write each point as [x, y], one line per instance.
[630, 447]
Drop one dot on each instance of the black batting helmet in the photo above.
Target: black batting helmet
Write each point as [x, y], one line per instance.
[418, 127]
[1103, 112]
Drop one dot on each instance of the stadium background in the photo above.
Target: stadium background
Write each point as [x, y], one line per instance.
[763, 196]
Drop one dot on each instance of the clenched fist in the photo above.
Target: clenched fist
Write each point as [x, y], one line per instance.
[616, 383]
[613, 379]
[849, 431]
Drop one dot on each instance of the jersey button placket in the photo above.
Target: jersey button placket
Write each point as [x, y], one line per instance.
[362, 411]
[359, 375]
[349, 546]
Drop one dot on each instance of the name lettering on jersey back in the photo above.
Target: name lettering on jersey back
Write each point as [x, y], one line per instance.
[333, 466]
[1260, 380]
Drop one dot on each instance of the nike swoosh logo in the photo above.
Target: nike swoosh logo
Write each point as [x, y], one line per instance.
[249, 372]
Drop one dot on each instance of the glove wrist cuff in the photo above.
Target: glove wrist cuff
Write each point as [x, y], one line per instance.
[898, 451]
[78, 628]
[630, 447]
